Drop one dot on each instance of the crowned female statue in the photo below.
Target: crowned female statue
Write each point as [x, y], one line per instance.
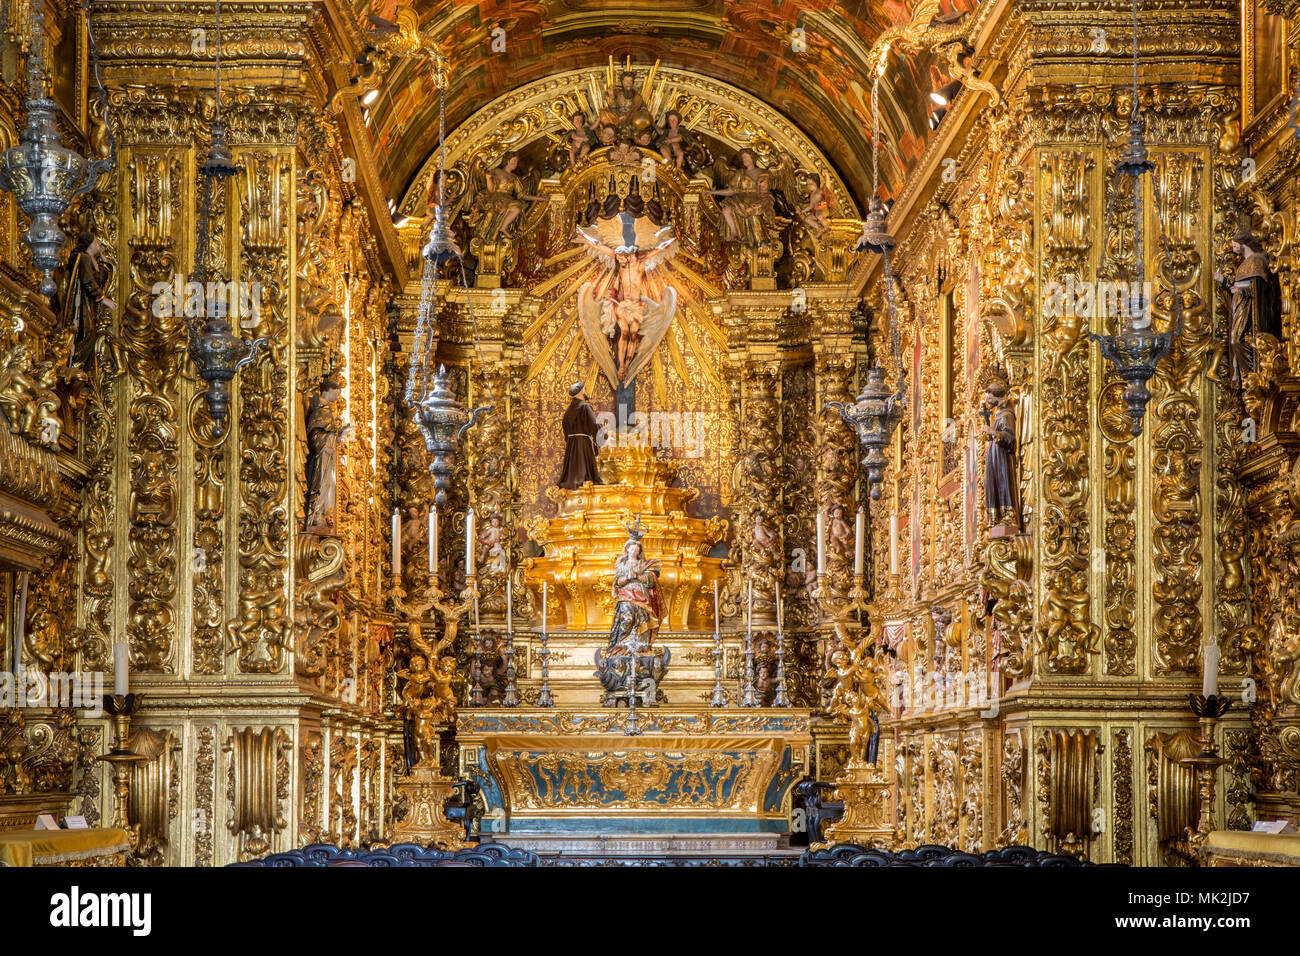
[638, 611]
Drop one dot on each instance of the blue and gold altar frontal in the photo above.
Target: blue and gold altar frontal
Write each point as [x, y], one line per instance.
[543, 770]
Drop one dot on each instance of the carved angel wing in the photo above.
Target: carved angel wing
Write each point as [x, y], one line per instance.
[785, 182]
[655, 319]
[664, 249]
[589, 309]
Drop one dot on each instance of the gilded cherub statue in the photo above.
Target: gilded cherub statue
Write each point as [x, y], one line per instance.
[27, 399]
[428, 699]
[858, 695]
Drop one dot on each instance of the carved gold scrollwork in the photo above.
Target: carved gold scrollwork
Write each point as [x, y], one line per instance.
[1007, 577]
[260, 631]
[319, 574]
[1067, 637]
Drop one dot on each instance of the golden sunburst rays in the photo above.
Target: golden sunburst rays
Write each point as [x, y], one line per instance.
[565, 339]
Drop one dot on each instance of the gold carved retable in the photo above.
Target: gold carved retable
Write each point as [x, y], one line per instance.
[590, 529]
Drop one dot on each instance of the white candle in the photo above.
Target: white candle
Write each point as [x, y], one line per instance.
[893, 543]
[780, 610]
[858, 543]
[749, 608]
[1210, 673]
[433, 540]
[20, 632]
[469, 542]
[543, 607]
[821, 543]
[120, 670]
[397, 544]
[717, 611]
[510, 616]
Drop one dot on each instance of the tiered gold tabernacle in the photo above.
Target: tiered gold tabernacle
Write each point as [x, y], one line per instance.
[585, 538]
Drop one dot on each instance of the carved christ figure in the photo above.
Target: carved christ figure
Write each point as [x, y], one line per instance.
[630, 321]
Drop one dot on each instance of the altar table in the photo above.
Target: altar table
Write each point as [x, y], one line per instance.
[689, 770]
[101, 846]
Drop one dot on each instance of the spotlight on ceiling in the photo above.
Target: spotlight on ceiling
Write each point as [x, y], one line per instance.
[943, 96]
[373, 95]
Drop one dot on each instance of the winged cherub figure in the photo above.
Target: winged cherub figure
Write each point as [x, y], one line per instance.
[625, 316]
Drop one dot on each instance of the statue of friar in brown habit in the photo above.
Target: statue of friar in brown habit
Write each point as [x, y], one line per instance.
[1001, 481]
[580, 429]
[1256, 300]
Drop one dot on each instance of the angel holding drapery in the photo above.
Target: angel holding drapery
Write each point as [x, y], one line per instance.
[620, 321]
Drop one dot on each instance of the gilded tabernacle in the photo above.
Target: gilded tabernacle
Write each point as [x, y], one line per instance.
[570, 432]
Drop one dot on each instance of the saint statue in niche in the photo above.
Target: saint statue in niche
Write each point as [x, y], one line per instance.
[619, 318]
[638, 611]
[1256, 298]
[84, 291]
[1001, 484]
[325, 430]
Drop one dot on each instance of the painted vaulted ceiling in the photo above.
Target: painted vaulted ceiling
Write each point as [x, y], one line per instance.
[825, 89]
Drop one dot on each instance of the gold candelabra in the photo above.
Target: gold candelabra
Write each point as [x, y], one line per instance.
[121, 707]
[426, 790]
[858, 696]
[1208, 710]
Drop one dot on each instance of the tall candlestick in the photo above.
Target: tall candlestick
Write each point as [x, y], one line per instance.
[397, 543]
[1210, 673]
[821, 543]
[121, 684]
[509, 606]
[433, 540]
[893, 543]
[719, 698]
[469, 542]
[717, 611]
[859, 538]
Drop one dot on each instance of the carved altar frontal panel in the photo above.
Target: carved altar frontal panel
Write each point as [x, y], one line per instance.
[540, 764]
[603, 780]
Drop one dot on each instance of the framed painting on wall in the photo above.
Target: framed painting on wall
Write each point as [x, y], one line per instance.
[1265, 62]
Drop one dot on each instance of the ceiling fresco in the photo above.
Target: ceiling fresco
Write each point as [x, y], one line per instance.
[825, 89]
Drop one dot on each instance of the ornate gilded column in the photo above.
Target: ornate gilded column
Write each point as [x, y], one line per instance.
[759, 498]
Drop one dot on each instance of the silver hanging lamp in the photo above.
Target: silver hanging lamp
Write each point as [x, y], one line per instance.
[442, 420]
[1136, 349]
[218, 353]
[43, 174]
[878, 409]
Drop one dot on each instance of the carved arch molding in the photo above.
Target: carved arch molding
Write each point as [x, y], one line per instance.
[726, 113]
